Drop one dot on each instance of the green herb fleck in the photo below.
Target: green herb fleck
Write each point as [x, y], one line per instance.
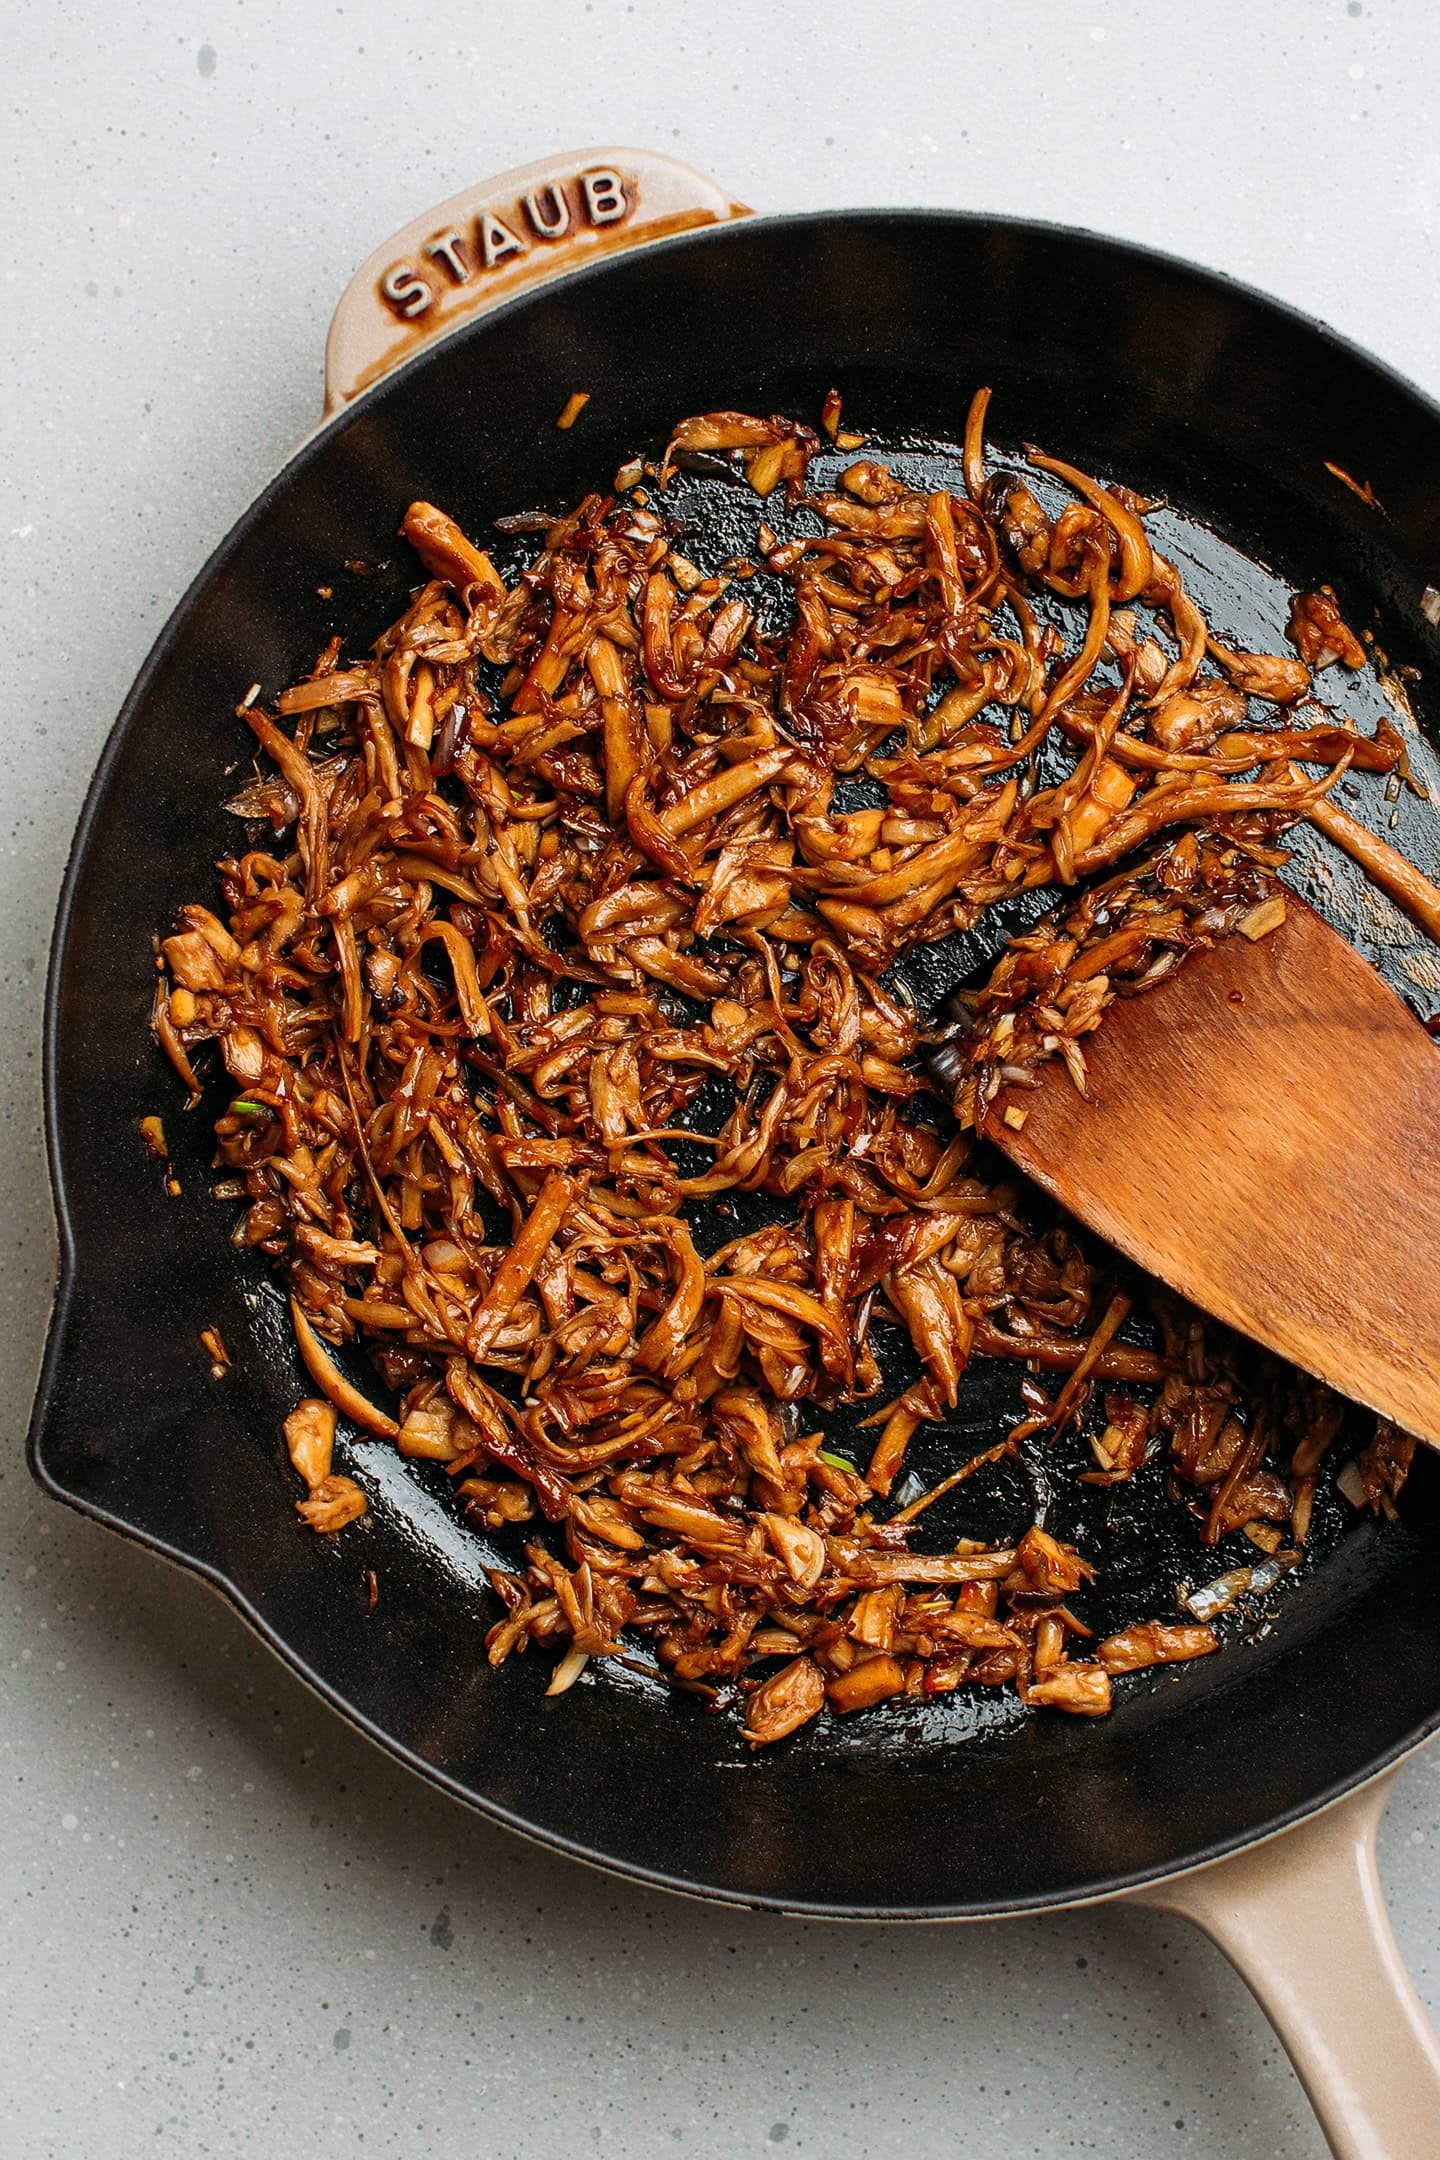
[836, 1462]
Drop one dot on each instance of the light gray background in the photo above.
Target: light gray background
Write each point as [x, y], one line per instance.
[227, 1925]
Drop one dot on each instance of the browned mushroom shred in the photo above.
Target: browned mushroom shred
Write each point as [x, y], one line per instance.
[1052, 985]
[1377, 1473]
[1320, 633]
[496, 941]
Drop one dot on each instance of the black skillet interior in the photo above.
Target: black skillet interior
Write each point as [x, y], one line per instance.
[1180, 384]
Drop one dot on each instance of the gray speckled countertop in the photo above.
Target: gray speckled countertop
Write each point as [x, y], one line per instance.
[227, 1924]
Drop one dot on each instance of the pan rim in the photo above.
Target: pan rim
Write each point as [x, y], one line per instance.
[310, 447]
[1070, 1899]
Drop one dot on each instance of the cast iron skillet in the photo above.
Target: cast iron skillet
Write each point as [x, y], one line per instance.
[1180, 383]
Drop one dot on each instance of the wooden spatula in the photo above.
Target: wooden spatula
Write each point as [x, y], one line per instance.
[1262, 1132]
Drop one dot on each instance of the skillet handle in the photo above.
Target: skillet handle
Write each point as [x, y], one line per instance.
[1302, 1919]
[500, 238]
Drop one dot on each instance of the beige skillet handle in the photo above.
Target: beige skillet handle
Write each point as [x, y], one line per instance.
[500, 238]
[1302, 1919]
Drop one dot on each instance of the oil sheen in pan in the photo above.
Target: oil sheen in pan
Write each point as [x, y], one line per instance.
[1146, 1547]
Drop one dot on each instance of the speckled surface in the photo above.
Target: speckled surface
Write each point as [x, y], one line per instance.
[227, 1925]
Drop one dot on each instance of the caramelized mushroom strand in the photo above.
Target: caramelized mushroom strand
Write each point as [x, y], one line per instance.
[568, 912]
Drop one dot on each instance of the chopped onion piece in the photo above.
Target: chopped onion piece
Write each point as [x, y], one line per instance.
[568, 1671]
[1218, 1596]
[1351, 1483]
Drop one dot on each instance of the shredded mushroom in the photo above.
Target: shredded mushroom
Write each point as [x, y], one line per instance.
[564, 852]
